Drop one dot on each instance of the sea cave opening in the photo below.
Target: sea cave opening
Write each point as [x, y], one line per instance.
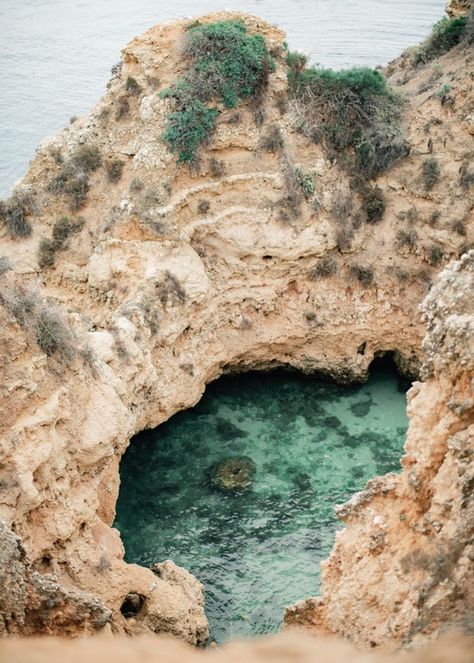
[240, 489]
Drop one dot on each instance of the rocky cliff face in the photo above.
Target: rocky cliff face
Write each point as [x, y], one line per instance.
[162, 278]
[458, 7]
[402, 569]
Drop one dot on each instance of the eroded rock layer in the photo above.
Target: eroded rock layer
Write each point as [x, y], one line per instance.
[402, 569]
[163, 277]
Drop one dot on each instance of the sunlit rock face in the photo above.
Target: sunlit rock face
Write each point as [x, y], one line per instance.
[177, 275]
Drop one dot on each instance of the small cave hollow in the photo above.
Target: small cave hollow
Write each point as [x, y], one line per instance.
[132, 605]
[240, 489]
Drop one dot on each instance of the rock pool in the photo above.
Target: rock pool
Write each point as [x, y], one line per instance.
[309, 445]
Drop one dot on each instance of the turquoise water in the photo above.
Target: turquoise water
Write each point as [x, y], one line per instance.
[257, 550]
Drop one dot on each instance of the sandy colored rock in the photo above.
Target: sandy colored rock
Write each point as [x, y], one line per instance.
[457, 7]
[153, 299]
[402, 569]
[285, 648]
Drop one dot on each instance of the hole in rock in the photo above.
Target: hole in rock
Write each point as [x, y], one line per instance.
[240, 489]
[132, 604]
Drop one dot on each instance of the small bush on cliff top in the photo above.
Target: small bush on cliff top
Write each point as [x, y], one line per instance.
[353, 112]
[226, 65]
[14, 213]
[446, 34]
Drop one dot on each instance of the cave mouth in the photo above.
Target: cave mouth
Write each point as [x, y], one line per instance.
[240, 489]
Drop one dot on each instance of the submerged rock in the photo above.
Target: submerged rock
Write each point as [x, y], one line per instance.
[233, 474]
[361, 409]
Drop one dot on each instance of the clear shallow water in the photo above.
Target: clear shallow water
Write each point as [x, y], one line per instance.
[313, 444]
[56, 55]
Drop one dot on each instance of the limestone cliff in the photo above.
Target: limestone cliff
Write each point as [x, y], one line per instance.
[162, 278]
[403, 567]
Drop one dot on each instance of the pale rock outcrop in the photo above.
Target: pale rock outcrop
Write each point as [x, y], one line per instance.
[159, 294]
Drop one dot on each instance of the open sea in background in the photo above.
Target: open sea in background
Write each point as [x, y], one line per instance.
[56, 55]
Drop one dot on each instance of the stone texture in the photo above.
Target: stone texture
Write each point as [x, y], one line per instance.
[457, 7]
[284, 648]
[154, 300]
[402, 570]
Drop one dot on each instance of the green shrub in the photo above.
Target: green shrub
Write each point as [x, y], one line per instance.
[132, 87]
[364, 274]
[351, 111]
[373, 202]
[114, 169]
[430, 173]
[326, 267]
[226, 65]
[14, 213]
[446, 34]
[235, 62]
[188, 129]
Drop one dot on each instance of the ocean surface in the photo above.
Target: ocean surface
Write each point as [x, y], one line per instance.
[56, 55]
[302, 445]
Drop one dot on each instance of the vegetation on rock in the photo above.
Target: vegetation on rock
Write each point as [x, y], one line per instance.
[226, 65]
[352, 112]
[62, 230]
[14, 213]
[446, 34]
[73, 177]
